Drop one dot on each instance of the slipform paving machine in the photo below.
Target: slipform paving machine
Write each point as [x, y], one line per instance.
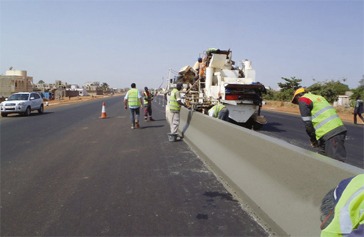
[218, 80]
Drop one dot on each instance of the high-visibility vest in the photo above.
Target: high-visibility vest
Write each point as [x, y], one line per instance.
[145, 98]
[133, 99]
[217, 108]
[323, 116]
[349, 210]
[173, 104]
[202, 69]
[211, 50]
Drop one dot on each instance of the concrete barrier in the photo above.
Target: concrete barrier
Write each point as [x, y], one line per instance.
[281, 184]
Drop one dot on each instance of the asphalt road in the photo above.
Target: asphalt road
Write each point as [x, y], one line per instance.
[69, 173]
[290, 128]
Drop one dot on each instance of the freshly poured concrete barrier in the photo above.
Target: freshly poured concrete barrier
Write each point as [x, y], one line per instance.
[282, 184]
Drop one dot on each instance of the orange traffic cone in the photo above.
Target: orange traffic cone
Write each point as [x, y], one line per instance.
[103, 112]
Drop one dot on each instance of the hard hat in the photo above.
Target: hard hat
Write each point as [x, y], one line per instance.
[199, 59]
[298, 91]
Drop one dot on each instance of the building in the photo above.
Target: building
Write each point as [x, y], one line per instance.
[93, 88]
[76, 91]
[15, 81]
[43, 87]
[343, 101]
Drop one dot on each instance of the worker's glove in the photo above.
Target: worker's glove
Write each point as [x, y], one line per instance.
[314, 144]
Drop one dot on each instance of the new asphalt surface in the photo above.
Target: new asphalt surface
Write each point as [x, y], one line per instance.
[69, 173]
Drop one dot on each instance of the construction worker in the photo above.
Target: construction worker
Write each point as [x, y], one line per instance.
[343, 209]
[148, 98]
[212, 50]
[323, 125]
[175, 104]
[196, 67]
[133, 99]
[202, 69]
[358, 110]
[219, 111]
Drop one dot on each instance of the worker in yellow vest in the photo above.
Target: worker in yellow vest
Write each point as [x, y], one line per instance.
[175, 104]
[343, 209]
[133, 99]
[219, 111]
[323, 125]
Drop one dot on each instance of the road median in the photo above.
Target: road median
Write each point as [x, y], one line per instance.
[282, 184]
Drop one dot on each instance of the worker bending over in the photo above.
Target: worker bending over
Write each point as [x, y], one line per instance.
[343, 209]
[323, 125]
[219, 111]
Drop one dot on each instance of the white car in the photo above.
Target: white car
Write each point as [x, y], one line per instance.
[22, 103]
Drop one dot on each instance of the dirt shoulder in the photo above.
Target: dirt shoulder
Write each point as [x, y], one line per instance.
[74, 100]
[346, 114]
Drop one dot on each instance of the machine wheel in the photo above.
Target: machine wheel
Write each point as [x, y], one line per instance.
[4, 115]
[41, 109]
[257, 126]
[28, 111]
[249, 124]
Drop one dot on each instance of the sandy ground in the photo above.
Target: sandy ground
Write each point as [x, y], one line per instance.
[346, 114]
[73, 100]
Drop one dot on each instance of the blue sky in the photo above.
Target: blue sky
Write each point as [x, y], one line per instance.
[120, 42]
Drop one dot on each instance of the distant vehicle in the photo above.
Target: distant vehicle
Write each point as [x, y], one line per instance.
[22, 103]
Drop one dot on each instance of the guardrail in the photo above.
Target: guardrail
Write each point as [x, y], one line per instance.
[281, 184]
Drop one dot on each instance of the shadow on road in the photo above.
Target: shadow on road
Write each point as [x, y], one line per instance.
[152, 126]
[273, 127]
[31, 115]
[226, 196]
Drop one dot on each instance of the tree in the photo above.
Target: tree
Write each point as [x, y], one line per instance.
[41, 82]
[330, 90]
[292, 83]
[270, 95]
[330, 95]
[338, 87]
[361, 82]
[287, 89]
[359, 91]
[285, 95]
[105, 86]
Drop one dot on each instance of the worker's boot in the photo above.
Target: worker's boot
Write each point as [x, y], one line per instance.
[137, 124]
[146, 119]
[151, 119]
